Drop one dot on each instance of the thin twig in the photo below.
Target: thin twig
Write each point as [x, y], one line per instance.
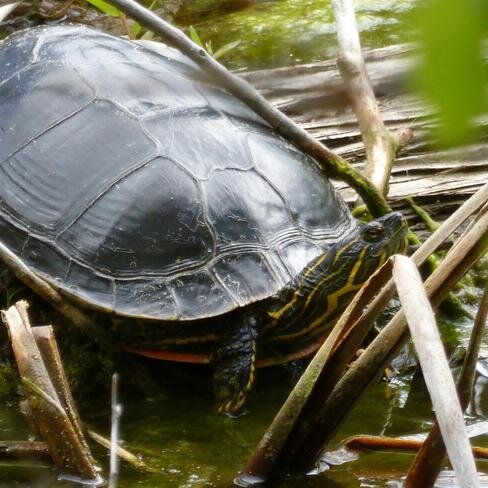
[124, 454]
[114, 432]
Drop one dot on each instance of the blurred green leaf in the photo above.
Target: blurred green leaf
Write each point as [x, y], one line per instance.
[135, 30]
[222, 51]
[195, 37]
[106, 8]
[208, 47]
[452, 74]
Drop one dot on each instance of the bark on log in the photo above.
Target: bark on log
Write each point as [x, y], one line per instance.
[65, 448]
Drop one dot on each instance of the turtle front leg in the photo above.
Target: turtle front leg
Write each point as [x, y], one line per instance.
[234, 361]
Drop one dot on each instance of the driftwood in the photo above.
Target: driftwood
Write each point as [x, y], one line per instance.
[314, 96]
[428, 461]
[435, 369]
[62, 435]
[284, 440]
[380, 144]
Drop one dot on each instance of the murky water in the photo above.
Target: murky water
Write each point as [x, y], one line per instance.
[284, 32]
[176, 432]
[174, 429]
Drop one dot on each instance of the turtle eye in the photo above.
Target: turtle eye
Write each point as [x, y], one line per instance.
[374, 232]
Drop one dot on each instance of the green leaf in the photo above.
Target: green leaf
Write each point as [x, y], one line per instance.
[195, 37]
[452, 74]
[208, 47]
[135, 30]
[106, 8]
[222, 51]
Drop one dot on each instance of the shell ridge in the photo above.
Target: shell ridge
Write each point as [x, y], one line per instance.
[138, 166]
[275, 189]
[47, 129]
[206, 219]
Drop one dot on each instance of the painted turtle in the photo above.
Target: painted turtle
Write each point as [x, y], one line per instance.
[139, 188]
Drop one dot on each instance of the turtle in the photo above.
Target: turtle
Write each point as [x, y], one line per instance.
[145, 192]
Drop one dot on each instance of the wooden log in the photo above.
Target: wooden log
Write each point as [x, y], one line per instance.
[65, 448]
[46, 342]
[22, 450]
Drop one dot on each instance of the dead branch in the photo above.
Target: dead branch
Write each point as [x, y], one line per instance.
[295, 421]
[380, 145]
[64, 445]
[427, 464]
[435, 368]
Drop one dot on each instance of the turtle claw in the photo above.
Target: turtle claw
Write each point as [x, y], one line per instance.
[229, 406]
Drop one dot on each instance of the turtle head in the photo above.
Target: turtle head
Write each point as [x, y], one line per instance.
[363, 251]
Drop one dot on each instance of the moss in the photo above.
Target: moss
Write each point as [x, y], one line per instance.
[289, 32]
[9, 382]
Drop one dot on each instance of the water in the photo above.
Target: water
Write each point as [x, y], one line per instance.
[175, 431]
[284, 32]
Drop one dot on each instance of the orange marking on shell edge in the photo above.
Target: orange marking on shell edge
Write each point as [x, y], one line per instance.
[179, 357]
[205, 359]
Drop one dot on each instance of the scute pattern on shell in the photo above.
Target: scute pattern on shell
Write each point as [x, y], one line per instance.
[135, 185]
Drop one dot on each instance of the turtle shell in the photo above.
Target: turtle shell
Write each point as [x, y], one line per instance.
[134, 184]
